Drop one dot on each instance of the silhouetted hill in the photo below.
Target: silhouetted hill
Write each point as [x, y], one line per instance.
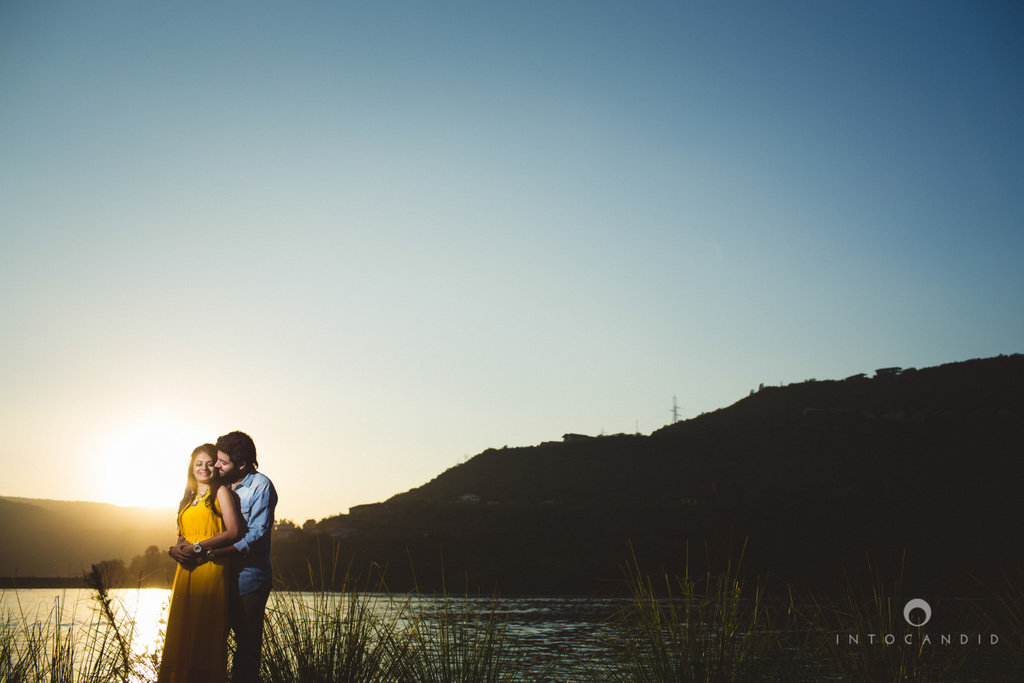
[815, 478]
[813, 432]
[58, 538]
[818, 476]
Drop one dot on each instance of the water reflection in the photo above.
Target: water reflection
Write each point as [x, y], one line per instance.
[59, 613]
[145, 611]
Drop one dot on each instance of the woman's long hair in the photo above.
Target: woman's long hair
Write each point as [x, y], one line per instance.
[192, 486]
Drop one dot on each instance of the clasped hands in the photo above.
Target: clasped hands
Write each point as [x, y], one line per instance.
[185, 555]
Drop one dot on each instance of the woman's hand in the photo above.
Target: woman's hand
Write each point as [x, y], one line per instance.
[182, 553]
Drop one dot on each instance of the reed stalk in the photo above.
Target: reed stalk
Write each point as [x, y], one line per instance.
[864, 638]
[124, 664]
[342, 636]
[321, 636]
[49, 650]
[1003, 616]
[21, 649]
[463, 641]
[708, 628]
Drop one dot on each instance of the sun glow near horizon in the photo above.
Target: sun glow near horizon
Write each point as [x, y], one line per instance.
[384, 237]
[145, 464]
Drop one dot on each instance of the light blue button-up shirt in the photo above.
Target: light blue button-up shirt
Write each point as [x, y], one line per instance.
[257, 499]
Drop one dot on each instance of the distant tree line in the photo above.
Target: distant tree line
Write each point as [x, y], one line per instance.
[152, 569]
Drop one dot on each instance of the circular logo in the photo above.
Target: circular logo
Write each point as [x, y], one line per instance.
[917, 603]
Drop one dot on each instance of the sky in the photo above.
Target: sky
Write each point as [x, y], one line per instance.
[383, 237]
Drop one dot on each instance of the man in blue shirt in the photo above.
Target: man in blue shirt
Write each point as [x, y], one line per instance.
[251, 572]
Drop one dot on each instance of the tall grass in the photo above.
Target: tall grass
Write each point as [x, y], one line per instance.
[343, 637]
[23, 648]
[54, 650]
[463, 641]
[122, 663]
[1004, 616]
[708, 628]
[864, 637]
[369, 635]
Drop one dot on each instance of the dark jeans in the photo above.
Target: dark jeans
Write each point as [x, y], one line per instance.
[247, 623]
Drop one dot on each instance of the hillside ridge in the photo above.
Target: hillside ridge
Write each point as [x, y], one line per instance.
[918, 467]
[755, 427]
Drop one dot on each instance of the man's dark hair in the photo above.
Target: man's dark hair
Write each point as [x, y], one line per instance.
[239, 447]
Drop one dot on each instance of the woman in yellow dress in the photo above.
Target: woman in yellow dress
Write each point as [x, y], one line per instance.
[195, 647]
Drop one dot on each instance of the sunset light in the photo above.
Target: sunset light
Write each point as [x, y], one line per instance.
[145, 464]
[615, 308]
[382, 239]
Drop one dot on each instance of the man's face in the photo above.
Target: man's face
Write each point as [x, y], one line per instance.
[228, 472]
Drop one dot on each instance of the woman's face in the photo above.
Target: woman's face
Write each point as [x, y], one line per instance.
[203, 468]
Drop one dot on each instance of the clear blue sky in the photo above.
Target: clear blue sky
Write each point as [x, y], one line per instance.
[382, 237]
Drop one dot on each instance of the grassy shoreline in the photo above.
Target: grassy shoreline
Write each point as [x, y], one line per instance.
[706, 627]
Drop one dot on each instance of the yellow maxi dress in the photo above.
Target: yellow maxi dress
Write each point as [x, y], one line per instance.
[195, 647]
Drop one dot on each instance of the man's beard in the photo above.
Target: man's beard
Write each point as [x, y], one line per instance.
[232, 477]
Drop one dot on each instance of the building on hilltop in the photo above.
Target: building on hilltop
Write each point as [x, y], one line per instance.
[576, 437]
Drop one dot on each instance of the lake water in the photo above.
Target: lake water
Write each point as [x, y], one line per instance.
[560, 628]
[77, 609]
[564, 630]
